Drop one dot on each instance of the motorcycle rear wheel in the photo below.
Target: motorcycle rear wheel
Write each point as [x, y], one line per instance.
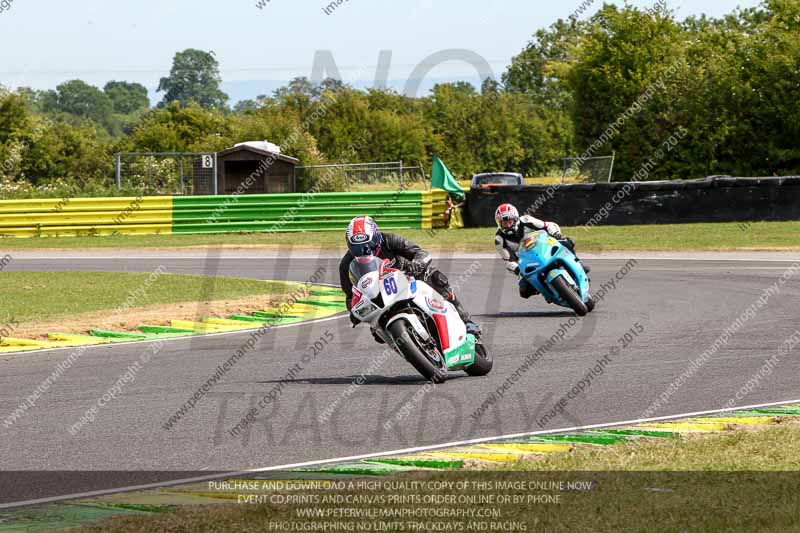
[411, 346]
[570, 296]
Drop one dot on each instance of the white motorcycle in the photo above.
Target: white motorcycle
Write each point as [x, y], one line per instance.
[416, 321]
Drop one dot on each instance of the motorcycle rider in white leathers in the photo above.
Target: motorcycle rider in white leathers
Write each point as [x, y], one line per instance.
[512, 230]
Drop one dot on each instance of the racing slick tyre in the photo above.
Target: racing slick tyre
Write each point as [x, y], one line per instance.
[483, 361]
[570, 296]
[427, 360]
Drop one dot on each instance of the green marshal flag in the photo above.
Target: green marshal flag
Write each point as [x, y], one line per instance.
[441, 178]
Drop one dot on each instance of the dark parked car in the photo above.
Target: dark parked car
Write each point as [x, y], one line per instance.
[493, 179]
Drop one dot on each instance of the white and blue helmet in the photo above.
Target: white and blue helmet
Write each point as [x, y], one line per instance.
[363, 237]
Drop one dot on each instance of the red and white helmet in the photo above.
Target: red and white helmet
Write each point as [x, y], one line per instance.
[507, 217]
[363, 237]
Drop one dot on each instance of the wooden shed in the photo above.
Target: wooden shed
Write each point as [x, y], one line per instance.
[252, 170]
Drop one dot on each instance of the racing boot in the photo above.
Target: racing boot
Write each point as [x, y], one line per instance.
[472, 327]
[526, 290]
[569, 243]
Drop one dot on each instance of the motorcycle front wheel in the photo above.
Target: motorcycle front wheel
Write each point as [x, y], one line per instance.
[427, 360]
[569, 295]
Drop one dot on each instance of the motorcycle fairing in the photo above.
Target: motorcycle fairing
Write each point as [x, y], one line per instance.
[541, 254]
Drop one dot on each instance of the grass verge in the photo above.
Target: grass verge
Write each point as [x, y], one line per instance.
[73, 302]
[776, 449]
[766, 236]
[743, 481]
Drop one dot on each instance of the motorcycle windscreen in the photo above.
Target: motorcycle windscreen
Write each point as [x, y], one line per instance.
[534, 239]
[361, 266]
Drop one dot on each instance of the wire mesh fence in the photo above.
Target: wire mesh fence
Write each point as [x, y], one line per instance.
[189, 173]
[362, 176]
[589, 169]
[166, 173]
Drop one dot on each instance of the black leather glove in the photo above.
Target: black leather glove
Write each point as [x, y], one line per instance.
[401, 263]
[422, 265]
[422, 272]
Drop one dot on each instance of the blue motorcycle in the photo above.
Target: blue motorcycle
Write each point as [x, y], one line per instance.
[555, 272]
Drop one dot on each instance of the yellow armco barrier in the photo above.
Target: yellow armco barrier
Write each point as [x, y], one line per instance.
[434, 203]
[70, 217]
[85, 218]
[80, 231]
[67, 205]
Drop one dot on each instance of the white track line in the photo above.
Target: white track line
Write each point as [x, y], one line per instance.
[403, 451]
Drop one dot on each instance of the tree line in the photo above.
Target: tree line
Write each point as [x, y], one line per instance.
[731, 83]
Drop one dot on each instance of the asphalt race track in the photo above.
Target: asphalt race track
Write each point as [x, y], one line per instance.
[681, 308]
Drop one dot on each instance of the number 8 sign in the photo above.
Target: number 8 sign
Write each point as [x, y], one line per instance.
[208, 161]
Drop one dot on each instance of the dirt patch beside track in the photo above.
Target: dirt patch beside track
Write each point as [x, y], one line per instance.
[156, 315]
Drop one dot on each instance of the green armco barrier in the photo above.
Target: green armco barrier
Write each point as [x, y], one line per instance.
[305, 218]
[299, 212]
[278, 213]
[266, 227]
[340, 198]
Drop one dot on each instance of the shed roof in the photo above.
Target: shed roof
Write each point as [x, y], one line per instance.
[263, 153]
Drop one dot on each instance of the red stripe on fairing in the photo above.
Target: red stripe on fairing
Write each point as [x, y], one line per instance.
[444, 334]
[358, 227]
[385, 269]
[357, 295]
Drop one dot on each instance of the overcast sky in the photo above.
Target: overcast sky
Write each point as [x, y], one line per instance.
[44, 42]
